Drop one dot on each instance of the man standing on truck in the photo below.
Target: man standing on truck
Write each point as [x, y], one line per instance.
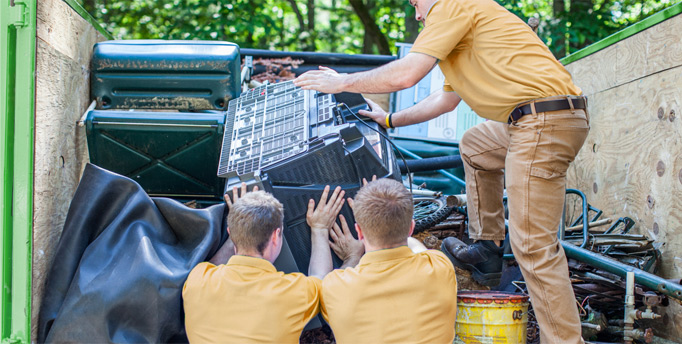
[247, 300]
[399, 292]
[538, 122]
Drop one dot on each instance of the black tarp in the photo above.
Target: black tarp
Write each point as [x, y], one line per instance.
[121, 262]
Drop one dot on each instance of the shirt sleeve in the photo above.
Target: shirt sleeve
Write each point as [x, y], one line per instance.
[195, 276]
[313, 291]
[328, 282]
[440, 259]
[447, 87]
[446, 24]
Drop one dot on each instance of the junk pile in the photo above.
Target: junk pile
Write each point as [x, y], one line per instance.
[612, 271]
[613, 277]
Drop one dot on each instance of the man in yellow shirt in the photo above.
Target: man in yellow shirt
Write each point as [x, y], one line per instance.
[393, 295]
[248, 300]
[538, 123]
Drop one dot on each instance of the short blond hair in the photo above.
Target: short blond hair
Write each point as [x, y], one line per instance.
[383, 209]
[253, 218]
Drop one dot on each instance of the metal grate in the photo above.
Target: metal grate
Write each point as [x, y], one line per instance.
[265, 125]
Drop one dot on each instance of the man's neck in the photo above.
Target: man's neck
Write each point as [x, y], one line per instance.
[253, 254]
[369, 247]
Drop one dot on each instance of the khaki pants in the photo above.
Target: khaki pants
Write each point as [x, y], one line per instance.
[535, 153]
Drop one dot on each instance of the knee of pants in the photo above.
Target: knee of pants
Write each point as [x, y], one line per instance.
[465, 145]
[526, 248]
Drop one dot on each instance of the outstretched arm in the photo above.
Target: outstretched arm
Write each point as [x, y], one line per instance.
[227, 250]
[394, 76]
[224, 253]
[320, 220]
[436, 104]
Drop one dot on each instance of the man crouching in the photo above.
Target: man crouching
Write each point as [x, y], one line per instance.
[393, 295]
[248, 300]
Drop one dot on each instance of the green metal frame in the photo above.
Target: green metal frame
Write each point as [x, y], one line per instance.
[17, 90]
[88, 17]
[625, 33]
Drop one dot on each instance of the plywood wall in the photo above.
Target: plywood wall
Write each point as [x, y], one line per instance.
[64, 47]
[631, 163]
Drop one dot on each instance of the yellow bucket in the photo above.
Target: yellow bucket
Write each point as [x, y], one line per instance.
[491, 317]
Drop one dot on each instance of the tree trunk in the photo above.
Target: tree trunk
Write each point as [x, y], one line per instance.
[372, 30]
[581, 10]
[411, 25]
[311, 26]
[311, 16]
[299, 16]
[558, 11]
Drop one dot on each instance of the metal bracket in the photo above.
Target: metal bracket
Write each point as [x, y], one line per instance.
[18, 13]
[13, 339]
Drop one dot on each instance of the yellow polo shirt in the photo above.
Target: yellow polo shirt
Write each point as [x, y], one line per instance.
[490, 57]
[248, 301]
[392, 296]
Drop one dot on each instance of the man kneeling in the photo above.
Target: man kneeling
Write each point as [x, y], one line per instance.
[248, 300]
[393, 295]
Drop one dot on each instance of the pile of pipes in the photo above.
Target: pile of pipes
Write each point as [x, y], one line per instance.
[613, 277]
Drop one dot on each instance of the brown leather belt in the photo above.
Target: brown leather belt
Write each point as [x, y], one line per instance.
[579, 102]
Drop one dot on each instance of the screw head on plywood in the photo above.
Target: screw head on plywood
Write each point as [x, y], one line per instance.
[660, 168]
[656, 228]
[679, 175]
[661, 113]
[595, 188]
[650, 201]
[671, 116]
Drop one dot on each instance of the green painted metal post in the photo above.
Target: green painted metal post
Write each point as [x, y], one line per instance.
[17, 92]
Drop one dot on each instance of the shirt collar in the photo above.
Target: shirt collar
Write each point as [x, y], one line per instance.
[430, 8]
[386, 254]
[258, 263]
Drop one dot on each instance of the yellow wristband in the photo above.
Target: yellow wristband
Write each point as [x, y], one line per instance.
[388, 120]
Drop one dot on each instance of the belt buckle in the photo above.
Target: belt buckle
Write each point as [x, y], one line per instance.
[515, 113]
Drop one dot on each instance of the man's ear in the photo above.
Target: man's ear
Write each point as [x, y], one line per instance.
[228, 231]
[411, 228]
[276, 235]
[359, 231]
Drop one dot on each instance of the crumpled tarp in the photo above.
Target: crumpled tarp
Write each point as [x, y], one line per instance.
[121, 262]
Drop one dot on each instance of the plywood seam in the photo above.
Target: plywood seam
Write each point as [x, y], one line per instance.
[637, 79]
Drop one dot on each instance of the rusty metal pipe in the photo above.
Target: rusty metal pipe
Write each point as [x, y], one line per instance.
[590, 225]
[586, 221]
[613, 266]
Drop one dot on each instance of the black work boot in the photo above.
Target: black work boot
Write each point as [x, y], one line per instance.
[483, 258]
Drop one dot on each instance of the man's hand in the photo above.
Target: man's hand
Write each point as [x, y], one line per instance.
[320, 220]
[236, 195]
[349, 249]
[322, 217]
[324, 80]
[364, 182]
[377, 114]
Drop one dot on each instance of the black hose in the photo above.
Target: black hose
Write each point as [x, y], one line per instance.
[431, 164]
[342, 63]
[325, 59]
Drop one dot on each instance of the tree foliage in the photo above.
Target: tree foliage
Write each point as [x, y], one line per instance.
[349, 26]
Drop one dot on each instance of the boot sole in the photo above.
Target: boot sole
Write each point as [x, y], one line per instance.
[488, 279]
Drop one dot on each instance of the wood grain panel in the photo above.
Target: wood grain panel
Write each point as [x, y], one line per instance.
[595, 72]
[631, 165]
[63, 53]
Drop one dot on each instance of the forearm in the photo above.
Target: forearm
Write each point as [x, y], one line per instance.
[351, 262]
[320, 254]
[224, 253]
[395, 76]
[385, 79]
[436, 104]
